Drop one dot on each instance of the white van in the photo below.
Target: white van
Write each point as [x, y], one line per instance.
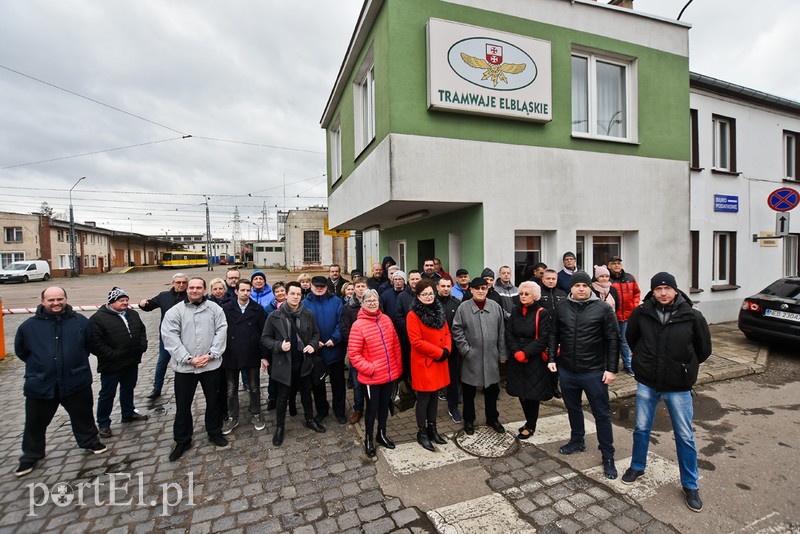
[25, 271]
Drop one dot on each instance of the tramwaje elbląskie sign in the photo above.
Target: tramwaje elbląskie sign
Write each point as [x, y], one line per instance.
[477, 70]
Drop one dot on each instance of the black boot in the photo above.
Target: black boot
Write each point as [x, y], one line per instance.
[313, 425]
[277, 439]
[369, 445]
[434, 436]
[384, 440]
[424, 440]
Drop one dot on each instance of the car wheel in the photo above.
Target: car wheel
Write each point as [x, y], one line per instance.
[24, 279]
[46, 277]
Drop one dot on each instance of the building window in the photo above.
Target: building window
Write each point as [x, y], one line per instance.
[790, 165]
[694, 286]
[10, 257]
[336, 153]
[602, 247]
[60, 235]
[724, 143]
[791, 256]
[602, 97]
[86, 260]
[63, 261]
[527, 253]
[695, 162]
[724, 274]
[311, 246]
[13, 234]
[94, 261]
[364, 104]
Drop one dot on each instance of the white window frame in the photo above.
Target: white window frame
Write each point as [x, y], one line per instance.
[584, 244]
[14, 233]
[10, 256]
[335, 137]
[631, 96]
[722, 259]
[86, 260]
[790, 164]
[94, 261]
[63, 261]
[364, 104]
[726, 142]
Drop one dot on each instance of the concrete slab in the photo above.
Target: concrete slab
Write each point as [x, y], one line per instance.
[409, 458]
[485, 515]
[551, 429]
[659, 472]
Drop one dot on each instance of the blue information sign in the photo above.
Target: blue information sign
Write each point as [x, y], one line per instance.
[727, 203]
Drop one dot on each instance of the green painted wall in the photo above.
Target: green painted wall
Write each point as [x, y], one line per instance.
[399, 42]
[468, 222]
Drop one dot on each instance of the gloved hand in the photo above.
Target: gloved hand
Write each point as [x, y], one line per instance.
[445, 354]
[520, 357]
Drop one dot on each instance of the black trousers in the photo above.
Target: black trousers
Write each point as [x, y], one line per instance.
[490, 394]
[426, 408]
[185, 388]
[336, 376]
[378, 399]
[39, 413]
[531, 410]
[298, 383]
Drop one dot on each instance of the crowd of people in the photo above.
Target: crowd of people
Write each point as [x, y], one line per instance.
[424, 335]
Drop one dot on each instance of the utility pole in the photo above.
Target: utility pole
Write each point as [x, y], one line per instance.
[265, 218]
[72, 249]
[237, 234]
[210, 267]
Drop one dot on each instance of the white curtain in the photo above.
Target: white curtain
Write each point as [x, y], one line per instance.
[580, 94]
[611, 116]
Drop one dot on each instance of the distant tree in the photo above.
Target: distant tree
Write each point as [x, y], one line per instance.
[46, 210]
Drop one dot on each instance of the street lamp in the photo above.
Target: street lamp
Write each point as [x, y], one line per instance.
[72, 250]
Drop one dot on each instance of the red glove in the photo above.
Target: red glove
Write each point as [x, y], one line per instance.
[520, 357]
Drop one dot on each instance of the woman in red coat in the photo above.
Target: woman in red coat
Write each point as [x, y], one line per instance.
[374, 351]
[430, 345]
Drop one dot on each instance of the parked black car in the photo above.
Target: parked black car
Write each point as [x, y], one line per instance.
[774, 313]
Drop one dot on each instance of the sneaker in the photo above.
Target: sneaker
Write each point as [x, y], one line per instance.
[24, 468]
[693, 499]
[455, 415]
[104, 432]
[98, 448]
[631, 475]
[258, 422]
[572, 447]
[135, 417]
[220, 441]
[178, 450]
[442, 396]
[229, 425]
[609, 469]
[629, 371]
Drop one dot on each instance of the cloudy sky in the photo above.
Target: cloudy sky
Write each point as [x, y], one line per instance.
[111, 89]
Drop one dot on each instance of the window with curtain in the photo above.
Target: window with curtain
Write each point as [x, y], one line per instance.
[790, 164]
[601, 96]
[724, 143]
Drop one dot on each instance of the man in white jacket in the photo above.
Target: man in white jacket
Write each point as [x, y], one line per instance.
[195, 335]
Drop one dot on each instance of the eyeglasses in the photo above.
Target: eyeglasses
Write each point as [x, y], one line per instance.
[526, 294]
[371, 301]
[232, 277]
[426, 295]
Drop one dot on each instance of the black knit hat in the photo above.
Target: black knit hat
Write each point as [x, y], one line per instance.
[580, 277]
[115, 294]
[663, 279]
[487, 272]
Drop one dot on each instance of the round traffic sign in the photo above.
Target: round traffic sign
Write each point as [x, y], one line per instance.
[783, 199]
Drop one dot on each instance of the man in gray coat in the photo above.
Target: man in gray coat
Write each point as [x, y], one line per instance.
[479, 335]
[195, 333]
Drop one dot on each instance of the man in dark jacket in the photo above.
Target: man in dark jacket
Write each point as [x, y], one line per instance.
[398, 316]
[389, 297]
[54, 344]
[292, 335]
[586, 329]
[629, 296]
[550, 299]
[335, 280]
[243, 353]
[450, 305]
[565, 274]
[119, 339]
[164, 301]
[327, 309]
[670, 340]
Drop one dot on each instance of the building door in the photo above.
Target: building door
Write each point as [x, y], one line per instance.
[425, 250]
[151, 257]
[397, 250]
[101, 264]
[137, 257]
[119, 257]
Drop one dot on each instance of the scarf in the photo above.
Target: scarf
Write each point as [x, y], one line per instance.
[431, 315]
[604, 292]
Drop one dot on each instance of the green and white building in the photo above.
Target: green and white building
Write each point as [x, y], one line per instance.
[508, 132]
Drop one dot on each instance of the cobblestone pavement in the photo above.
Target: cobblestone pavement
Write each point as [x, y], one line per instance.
[314, 482]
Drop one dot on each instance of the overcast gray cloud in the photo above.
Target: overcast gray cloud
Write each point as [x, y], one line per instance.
[252, 71]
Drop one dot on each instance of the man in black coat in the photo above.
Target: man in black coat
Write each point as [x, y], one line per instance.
[164, 301]
[119, 339]
[670, 340]
[587, 331]
[244, 353]
[450, 304]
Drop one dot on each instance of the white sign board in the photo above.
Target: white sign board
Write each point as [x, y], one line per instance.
[782, 223]
[477, 70]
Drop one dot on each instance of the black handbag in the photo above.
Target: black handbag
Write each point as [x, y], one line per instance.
[319, 371]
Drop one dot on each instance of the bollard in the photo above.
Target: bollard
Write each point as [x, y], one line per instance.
[2, 332]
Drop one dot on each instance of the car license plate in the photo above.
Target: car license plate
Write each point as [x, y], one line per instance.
[783, 315]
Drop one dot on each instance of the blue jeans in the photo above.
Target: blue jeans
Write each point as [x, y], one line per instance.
[108, 390]
[681, 410]
[572, 386]
[625, 349]
[161, 366]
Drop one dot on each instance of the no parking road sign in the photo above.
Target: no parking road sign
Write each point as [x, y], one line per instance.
[783, 199]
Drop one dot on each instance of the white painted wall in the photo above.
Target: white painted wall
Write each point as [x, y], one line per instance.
[297, 222]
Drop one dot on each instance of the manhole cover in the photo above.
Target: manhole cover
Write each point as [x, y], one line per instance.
[486, 443]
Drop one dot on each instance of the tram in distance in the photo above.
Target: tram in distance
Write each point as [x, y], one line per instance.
[182, 258]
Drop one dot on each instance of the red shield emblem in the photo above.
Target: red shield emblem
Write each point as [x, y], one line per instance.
[494, 54]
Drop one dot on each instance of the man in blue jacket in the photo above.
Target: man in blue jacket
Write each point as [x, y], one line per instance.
[54, 344]
[327, 308]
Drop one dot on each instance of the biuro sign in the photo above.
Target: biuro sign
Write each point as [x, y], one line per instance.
[477, 70]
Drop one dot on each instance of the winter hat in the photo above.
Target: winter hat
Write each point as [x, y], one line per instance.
[477, 282]
[399, 274]
[580, 277]
[319, 281]
[487, 272]
[663, 279]
[567, 255]
[258, 273]
[600, 270]
[115, 294]
[461, 272]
